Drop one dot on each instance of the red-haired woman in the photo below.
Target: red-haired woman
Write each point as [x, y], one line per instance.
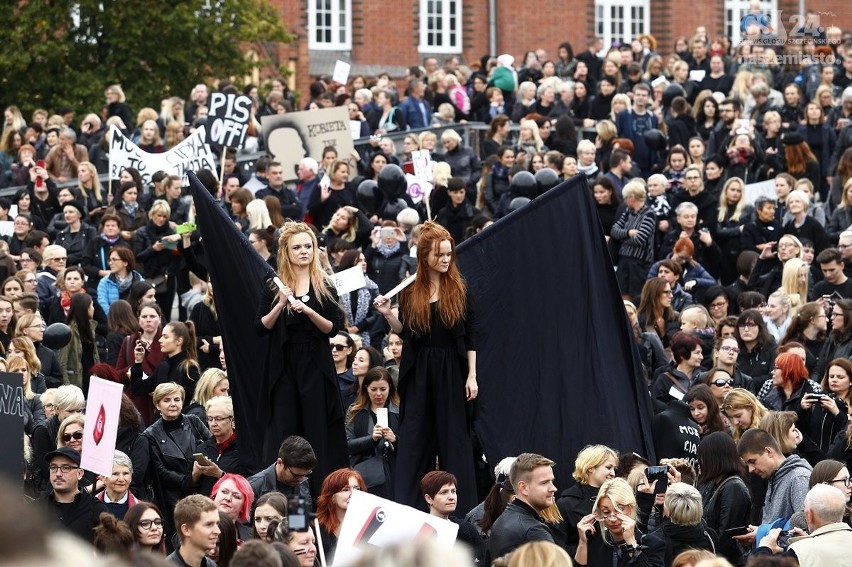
[337, 489]
[438, 363]
[789, 385]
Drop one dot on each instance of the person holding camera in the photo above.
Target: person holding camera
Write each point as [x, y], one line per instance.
[789, 384]
[821, 416]
[148, 338]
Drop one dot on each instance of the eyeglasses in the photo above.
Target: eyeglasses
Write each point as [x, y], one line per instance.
[338, 348]
[611, 516]
[66, 437]
[148, 524]
[833, 314]
[111, 260]
[718, 305]
[41, 326]
[846, 481]
[217, 419]
[722, 382]
[48, 406]
[304, 475]
[732, 349]
[748, 325]
[64, 468]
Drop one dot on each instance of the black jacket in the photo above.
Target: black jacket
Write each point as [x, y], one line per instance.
[265, 481]
[167, 371]
[135, 445]
[726, 505]
[76, 243]
[79, 517]
[575, 503]
[155, 263]
[518, 524]
[681, 538]
[228, 460]
[171, 458]
[43, 441]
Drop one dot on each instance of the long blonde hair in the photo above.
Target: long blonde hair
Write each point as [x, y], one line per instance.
[795, 289]
[319, 279]
[724, 204]
[739, 398]
[96, 183]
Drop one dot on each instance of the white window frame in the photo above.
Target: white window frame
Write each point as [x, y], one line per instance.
[632, 25]
[445, 32]
[339, 14]
[734, 10]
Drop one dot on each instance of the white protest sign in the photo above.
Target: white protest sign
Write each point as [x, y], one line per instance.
[102, 408]
[697, 75]
[422, 162]
[764, 188]
[7, 228]
[228, 119]
[376, 522]
[349, 280]
[355, 129]
[341, 72]
[190, 155]
[417, 188]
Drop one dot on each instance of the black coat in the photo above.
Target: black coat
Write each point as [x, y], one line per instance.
[726, 505]
[50, 368]
[171, 459]
[228, 460]
[681, 538]
[388, 271]
[80, 517]
[76, 243]
[518, 524]
[155, 263]
[206, 327]
[819, 425]
[135, 445]
[167, 371]
[359, 439]
[575, 503]
[43, 441]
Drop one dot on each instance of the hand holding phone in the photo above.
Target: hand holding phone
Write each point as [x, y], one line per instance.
[201, 459]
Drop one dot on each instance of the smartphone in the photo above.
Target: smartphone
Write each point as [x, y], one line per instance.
[662, 485]
[731, 532]
[297, 514]
[39, 182]
[653, 473]
[387, 233]
[201, 459]
[382, 417]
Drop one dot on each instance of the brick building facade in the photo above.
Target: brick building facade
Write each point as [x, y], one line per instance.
[390, 35]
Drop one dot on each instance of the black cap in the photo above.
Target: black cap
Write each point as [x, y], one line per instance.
[81, 208]
[64, 452]
[792, 138]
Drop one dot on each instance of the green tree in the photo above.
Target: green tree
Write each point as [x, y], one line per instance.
[64, 53]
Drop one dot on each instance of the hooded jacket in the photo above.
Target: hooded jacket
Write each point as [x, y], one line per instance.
[787, 489]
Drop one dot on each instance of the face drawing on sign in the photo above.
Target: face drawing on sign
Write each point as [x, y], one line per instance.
[288, 147]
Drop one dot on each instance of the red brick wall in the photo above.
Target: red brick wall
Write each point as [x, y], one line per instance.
[385, 32]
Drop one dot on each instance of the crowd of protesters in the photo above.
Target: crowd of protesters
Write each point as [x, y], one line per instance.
[737, 292]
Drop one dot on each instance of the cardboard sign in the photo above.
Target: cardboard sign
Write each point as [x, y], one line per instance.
[697, 75]
[295, 135]
[349, 280]
[102, 408]
[755, 190]
[190, 155]
[418, 189]
[374, 521]
[12, 423]
[228, 120]
[422, 162]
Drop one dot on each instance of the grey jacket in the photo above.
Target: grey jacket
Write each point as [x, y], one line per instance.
[787, 489]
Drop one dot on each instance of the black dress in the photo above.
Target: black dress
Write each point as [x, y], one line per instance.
[300, 384]
[434, 416]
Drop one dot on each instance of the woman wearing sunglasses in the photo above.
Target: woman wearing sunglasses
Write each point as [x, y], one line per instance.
[70, 434]
[614, 517]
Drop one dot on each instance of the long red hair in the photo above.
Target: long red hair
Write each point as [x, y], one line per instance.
[452, 297]
[334, 483]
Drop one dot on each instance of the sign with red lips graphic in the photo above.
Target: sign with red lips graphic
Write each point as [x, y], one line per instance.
[103, 406]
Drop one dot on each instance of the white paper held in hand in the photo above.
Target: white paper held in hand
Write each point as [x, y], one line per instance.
[341, 72]
[349, 280]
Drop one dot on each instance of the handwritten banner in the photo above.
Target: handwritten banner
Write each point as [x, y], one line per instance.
[12, 424]
[228, 119]
[192, 154]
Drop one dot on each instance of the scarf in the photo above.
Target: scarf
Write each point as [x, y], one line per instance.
[123, 284]
[388, 251]
[365, 297]
[500, 172]
[131, 208]
[740, 156]
[109, 240]
[588, 170]
[65, 302]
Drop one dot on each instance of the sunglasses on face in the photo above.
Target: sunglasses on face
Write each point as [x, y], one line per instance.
[722, 382]
[66, 437]
[338, 348]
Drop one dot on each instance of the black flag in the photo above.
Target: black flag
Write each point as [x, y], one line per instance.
[238, 273]
[556, 365]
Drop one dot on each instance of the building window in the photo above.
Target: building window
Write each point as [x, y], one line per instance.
[330, 24]
[440, 26]
[736, 9]
[621, 20]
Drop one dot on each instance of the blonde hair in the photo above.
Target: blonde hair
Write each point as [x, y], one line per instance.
[683, 504]
[320, 281]
[737, 399]
[533, 128]
[69, 397]
[208, 382]
[589, 457]
[96, 182]
[77, 418]
[540, 554]
[620, 494]
[636, 189]
[12, 364]
[168, 389]
[160, 206]
[737, 214]
[796, 290]
[441, 173]
[778, 424]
